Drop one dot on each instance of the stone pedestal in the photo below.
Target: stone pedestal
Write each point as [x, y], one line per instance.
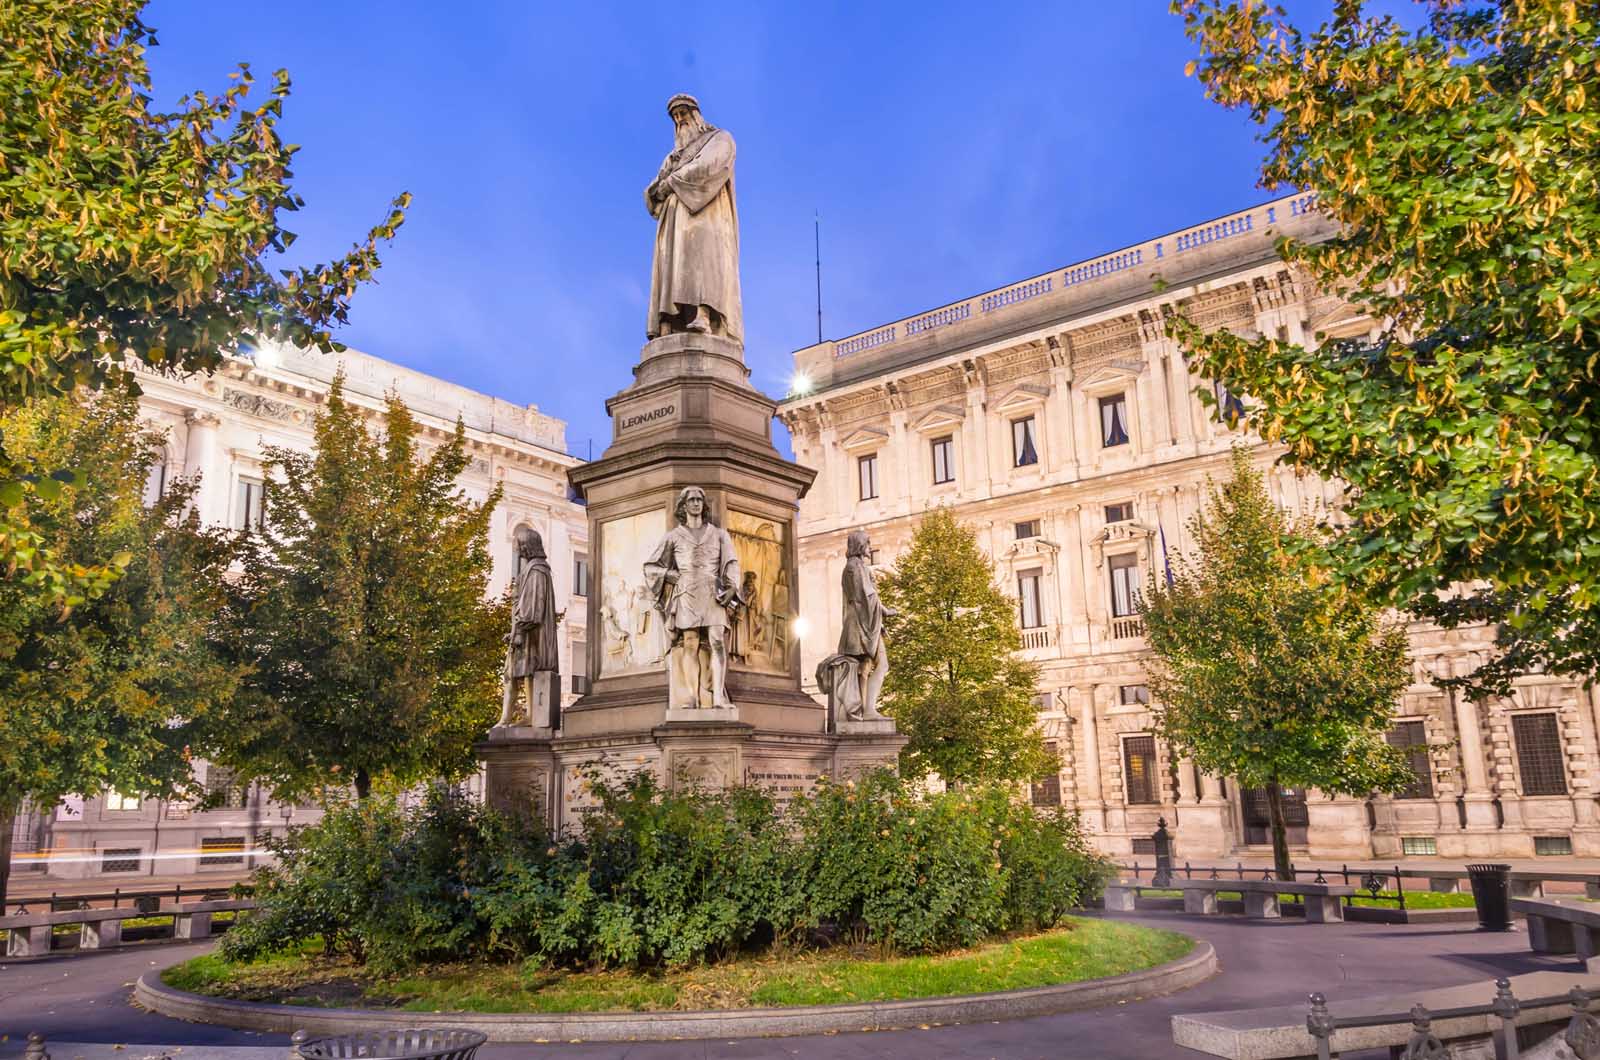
[690, 418]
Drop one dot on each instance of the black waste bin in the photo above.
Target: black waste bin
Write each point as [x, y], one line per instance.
[1491, 893]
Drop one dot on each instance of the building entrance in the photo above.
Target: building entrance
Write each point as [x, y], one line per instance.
[1258, 818]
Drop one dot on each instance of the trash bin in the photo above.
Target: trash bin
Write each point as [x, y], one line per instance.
[391, 1045]
[1491, 893]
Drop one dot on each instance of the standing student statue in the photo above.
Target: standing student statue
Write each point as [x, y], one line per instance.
[533, 661]
[694, 280]
[693, 574]
[861, 632]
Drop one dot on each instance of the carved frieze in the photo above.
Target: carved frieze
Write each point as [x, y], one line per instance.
[1098, 343]
[1020, 363]
[1231, 306]
[937, 385]
[261, 405]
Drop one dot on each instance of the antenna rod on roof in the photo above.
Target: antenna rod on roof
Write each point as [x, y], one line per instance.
[818, 235]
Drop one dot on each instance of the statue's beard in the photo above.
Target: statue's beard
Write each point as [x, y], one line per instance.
[686, 130]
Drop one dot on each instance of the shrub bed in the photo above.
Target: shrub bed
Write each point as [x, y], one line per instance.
[669, 879]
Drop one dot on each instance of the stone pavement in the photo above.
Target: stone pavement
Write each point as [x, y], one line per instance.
[84, 998]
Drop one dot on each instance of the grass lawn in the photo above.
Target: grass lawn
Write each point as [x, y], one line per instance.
[1080, 949]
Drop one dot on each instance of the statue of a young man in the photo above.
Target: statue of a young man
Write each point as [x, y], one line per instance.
[533, 661]
[693, 574]
[861, 632]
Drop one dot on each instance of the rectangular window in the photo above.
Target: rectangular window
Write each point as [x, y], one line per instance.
[1132, 695]
[1047, 792]
[580, 575]
[580, 668]
[1032, 614]
[1139, 767]
[1559, 846]
[1024, 447]
[867, 475]
[115, 800]
[249, 510]
[1124, 572]
[944, 459]
[1422, 846]
[1412, 741]
[119, 859]
[1114, 420]
[1119, 513]
[1538, 740]
[1027, 529]
[223, 790]
[222, 850]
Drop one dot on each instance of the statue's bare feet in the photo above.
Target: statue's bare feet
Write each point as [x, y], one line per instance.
[697, 323]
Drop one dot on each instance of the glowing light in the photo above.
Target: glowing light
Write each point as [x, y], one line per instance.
[800, 384]
[267, 357]
[800, 627]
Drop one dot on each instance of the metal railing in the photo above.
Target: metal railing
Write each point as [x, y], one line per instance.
[1582, 1033]
[56, 903]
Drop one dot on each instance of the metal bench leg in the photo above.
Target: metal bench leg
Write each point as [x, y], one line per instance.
[1201, 902]
[1261, 905]
[1444, 884]
[1583, 941]
[100, 935]
[198, 925]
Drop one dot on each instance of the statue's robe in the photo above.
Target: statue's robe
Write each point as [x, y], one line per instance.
[697, 236]
[861, 634]
[708, 572]
[533, 615]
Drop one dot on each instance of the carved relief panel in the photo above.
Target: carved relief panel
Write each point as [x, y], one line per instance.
[632, 632]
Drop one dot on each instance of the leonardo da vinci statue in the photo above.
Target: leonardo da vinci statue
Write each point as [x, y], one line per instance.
[694, 281]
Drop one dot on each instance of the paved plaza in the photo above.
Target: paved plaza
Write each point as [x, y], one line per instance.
[85, 998]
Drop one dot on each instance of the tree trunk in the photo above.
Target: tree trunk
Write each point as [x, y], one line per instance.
[363, 784]
[1280, 832]
[8, 822]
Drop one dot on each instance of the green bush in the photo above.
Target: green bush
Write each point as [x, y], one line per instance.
[670, 878]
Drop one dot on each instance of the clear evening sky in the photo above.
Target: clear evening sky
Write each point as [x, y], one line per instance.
[948, 148]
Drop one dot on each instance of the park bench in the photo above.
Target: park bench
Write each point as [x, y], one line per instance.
[1323, 901]
[30, 934]
[1558, 925]
[1465, 1020]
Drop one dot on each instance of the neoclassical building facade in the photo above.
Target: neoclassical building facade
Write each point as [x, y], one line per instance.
[1058, 418]
[217, 429]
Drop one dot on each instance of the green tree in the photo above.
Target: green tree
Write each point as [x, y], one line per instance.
[131, 234]
[1265, 670]
[107, 694]
[361, 616]
[1460, 162]
[956, 686]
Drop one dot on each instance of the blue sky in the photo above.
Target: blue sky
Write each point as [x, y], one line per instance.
[949, 148]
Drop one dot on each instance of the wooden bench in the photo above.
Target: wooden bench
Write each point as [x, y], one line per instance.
[1557, 925]
[30, 934]
[1322, 900]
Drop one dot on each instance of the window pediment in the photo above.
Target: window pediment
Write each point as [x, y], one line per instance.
[1022, 398]
[1122, 534]
[1032, 547]
[1110, 378]
[941, 418]
[864, 440]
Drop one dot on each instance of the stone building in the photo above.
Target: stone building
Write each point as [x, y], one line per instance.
[1057, 417]
[217, 428]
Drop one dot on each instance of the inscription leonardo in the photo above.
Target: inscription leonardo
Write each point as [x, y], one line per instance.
[639, 418]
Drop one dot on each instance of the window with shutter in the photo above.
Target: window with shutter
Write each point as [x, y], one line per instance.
[1412, 740]
[1538, 740]
[1139, 770]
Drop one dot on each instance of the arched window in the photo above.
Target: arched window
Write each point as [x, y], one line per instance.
[155, 481]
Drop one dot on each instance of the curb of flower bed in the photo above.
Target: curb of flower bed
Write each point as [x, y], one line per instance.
[1194, 967]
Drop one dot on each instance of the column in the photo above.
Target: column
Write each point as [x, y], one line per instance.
[1186, 785]
[899, 460]
[827, 468]
[200, 460]
[1475, 780]
[1060, 420]
[1069, 576]
[1090, 801]
[976, 435]
[1210, 787]
[1160, 418]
